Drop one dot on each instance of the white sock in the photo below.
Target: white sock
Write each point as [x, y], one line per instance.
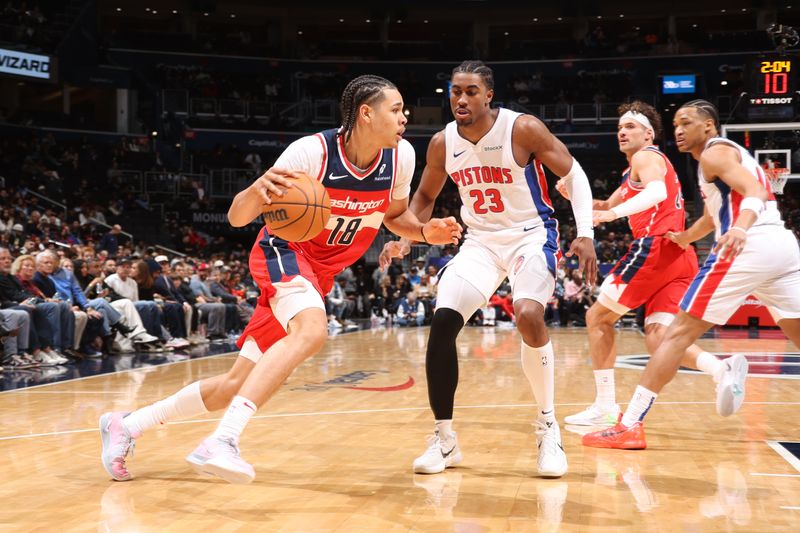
[640, 404]
[606, 393]
[235, 419]
[445, 428]
[710, 364]
[185, 403]
[539, 367]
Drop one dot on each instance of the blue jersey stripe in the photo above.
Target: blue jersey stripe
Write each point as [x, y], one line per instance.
[550, 248]
[725, 209]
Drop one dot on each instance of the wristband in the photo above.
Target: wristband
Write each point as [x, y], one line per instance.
[752, 203]
[739, 228]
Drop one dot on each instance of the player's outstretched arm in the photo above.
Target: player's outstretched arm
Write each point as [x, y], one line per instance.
[536, 139]
[403, 222]
[701, 227]
[723, 162]
[650, 168]
[247, 205]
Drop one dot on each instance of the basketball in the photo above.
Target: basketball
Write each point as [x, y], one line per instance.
[301, 213]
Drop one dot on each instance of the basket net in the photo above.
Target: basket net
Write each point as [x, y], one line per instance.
[777, 178]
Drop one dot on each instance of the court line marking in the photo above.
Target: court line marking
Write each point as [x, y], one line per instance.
[790, 507]
[351, 412]
[773, 475]
[783, 452]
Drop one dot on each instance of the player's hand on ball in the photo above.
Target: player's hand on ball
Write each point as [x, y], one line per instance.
[392, 249]
[561, 187]
[678, 238]
[442, 231]
[731, 244]
[583, 247]
[601, 217]
[273, 181]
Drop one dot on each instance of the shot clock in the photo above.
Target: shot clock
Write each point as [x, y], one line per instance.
[773, 80]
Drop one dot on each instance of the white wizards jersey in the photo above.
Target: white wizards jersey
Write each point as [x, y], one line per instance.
[723, 202]
[497, 194]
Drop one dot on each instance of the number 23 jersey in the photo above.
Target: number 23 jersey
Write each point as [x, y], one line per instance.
[359, 197]
[497, 194]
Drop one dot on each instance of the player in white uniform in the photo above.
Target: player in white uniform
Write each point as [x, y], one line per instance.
[754, 254]
[495, 157]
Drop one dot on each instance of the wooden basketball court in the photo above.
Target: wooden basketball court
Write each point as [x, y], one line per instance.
[333, 450]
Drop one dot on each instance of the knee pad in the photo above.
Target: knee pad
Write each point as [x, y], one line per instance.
[445, 325]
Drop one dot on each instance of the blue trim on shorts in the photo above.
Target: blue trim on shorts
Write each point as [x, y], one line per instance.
[275, 249]
[634, 259]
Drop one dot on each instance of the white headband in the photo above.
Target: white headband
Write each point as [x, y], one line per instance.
[638, 117]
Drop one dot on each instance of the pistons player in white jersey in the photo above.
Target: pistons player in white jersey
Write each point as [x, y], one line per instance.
[754, 254]
[655, 272]
[495, 157]
[367, 168]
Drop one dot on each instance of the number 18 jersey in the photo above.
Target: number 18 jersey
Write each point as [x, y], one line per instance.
[359, 201]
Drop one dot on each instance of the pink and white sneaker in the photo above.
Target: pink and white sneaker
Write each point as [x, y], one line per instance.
[223, 460]
[118, 442]
[198, 458]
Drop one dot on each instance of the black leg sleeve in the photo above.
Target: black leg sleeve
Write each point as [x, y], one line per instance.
[441, 362]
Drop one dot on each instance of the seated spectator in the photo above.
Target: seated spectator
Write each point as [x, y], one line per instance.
[577, 299]
[200, 286]
[338, 306]
[14, 297]
[410, 311]
[14, 333]
[177, 311]
[57, 331]
[149, 310]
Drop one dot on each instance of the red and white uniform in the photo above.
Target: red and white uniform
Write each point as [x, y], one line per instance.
[359, 201]
[655, 272]
[768, 267]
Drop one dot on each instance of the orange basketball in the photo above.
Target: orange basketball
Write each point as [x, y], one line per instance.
[301, 213]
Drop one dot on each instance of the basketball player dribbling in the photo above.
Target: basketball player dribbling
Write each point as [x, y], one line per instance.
[495, 157]
[754, 254]
[367, 168]
[655, 272]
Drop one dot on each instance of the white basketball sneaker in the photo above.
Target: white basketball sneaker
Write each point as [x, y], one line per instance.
[730, 389]
[223, 460]
[552, 460]
[441, 453]
[594, 415]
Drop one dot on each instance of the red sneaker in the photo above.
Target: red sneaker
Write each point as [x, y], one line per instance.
[619, 436]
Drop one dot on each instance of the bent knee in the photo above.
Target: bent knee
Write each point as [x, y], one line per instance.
[598, 315]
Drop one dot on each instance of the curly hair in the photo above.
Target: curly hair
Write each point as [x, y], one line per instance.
[637, 106]
[366, 89]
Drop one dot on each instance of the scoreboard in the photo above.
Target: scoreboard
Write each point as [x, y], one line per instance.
[773, 80]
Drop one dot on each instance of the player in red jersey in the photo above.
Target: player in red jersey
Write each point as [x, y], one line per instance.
[655, 272]
[367, 168]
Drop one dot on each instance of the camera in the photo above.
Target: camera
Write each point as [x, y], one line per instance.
[783, 37]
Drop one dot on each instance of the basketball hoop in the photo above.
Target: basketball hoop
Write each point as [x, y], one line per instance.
[777, 178]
